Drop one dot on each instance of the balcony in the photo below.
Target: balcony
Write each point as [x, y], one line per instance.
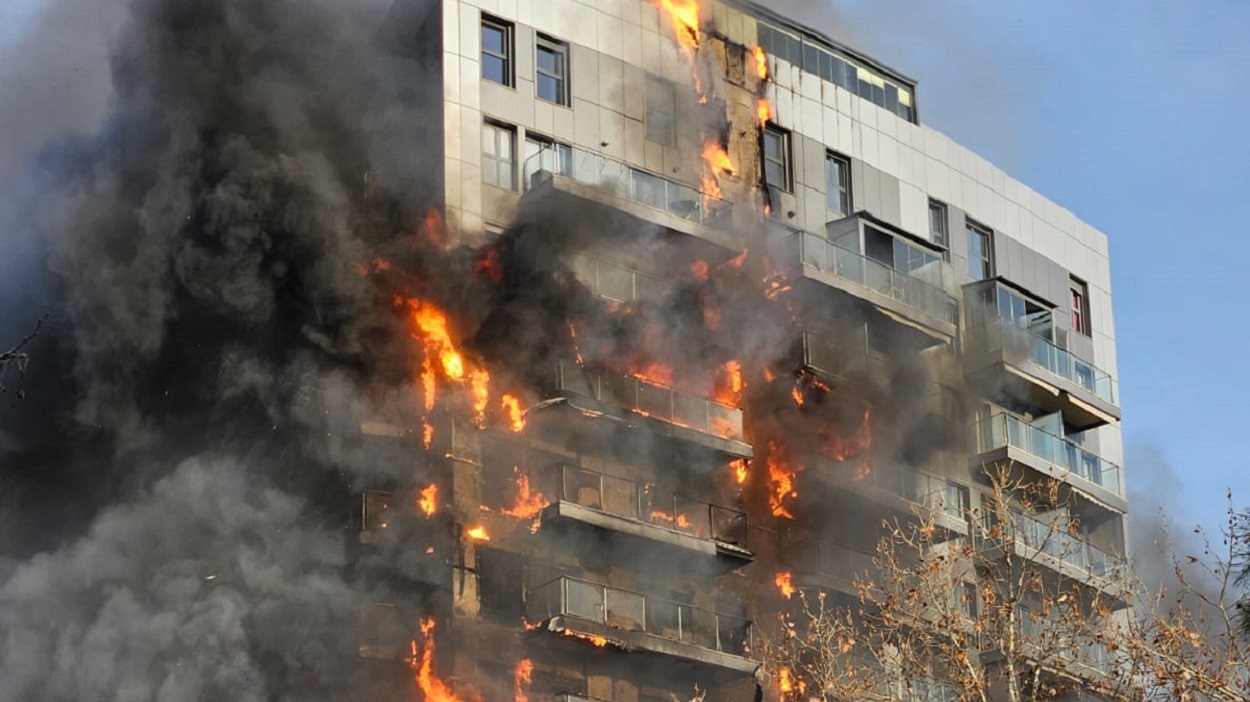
[903, 489]
[838, 357]
[662, 409]
[589, 178]
[917, 299]
[613, 282]
[1050, 544]
[1007, 437]
[1041, 372]
[821, 563]
[638, 509]
[642, 622]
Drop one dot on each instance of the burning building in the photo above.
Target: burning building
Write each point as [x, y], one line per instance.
[690, 301]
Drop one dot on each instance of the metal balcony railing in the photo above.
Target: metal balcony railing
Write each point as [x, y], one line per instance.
[645, 503]
[635, 184]
[1003, 429]
[1053, 539]
[633, 611]
[1021, 344]
[922, 289]
[653, 400]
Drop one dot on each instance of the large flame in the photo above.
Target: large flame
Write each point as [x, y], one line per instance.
[761, 63]
[781, 482]
[521, 677]
[431, 686]
[718, 164]
[512, 410]
[529, 502]
[442, 357]
[763, 110]
[730, 384]
[685, 17]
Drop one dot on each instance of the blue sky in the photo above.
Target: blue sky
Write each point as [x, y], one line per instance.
[1129, 113]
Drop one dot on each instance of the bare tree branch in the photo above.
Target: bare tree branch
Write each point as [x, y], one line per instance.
[15, 360]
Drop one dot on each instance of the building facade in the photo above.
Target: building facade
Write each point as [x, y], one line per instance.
[879, 314]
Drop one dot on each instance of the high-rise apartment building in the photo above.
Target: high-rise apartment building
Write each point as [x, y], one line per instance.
[780, 308]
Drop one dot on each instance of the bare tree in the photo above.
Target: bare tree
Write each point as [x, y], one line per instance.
[1013, 610]
[13, 362]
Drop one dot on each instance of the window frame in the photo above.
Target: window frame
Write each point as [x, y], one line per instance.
[786, 162]
[498, 128]
[846, 189]
[509, 50]
[985, 235]
[563, 153]
[1078, 298]
[943, 237]
[560, 49]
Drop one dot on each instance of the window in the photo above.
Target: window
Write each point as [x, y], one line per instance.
[980, 252]
[661, 111]
[777, 158]
[553, 70]
[543, 154]
[838, 183]
[496, 51]
[1080, 306]
[938, 225]
[499, 155]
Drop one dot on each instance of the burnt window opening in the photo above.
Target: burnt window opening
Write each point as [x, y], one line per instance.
[498, 49]
[501, 576]
[551, 79]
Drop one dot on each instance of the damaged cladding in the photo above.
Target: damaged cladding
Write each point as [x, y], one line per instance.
[563, 320]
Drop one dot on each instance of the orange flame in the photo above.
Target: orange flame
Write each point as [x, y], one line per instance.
[699, 270]
[655, 372]
[428, 500]
[784, 682]
[740, 471]
[718, 164]
[599, 641]
[442, 356]
[797, 395]
[763, 110]
[432, 687]
[427, 434]
[685, 17]
[529, 502]
[521, 676]
[682, 521]
[840, 447]
[478, 533]
[512, 408]
[784, 584]
[781, 479]
[761, 63]
[729, 390]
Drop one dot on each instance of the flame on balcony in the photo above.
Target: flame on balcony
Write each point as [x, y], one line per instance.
[442, 358]
[529, 502]
[681, 521]
[730, 384]
[522, 675]
[784, 584]
[477, 533]
[654, 372]
[599, 641]
[512, 410]
[717, 164]
[427, 500]
[432, 687]
[781, 482]
[840, 447]
[740, 471]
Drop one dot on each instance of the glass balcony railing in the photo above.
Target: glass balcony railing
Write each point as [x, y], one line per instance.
[922, 289]
[624, 181]
[1003, 429]
[645, 503]
[919, 488]
[835, 560]
[634, 611]
[653, 400]
[613, 282]
[1053, 539]
[1021, 344]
